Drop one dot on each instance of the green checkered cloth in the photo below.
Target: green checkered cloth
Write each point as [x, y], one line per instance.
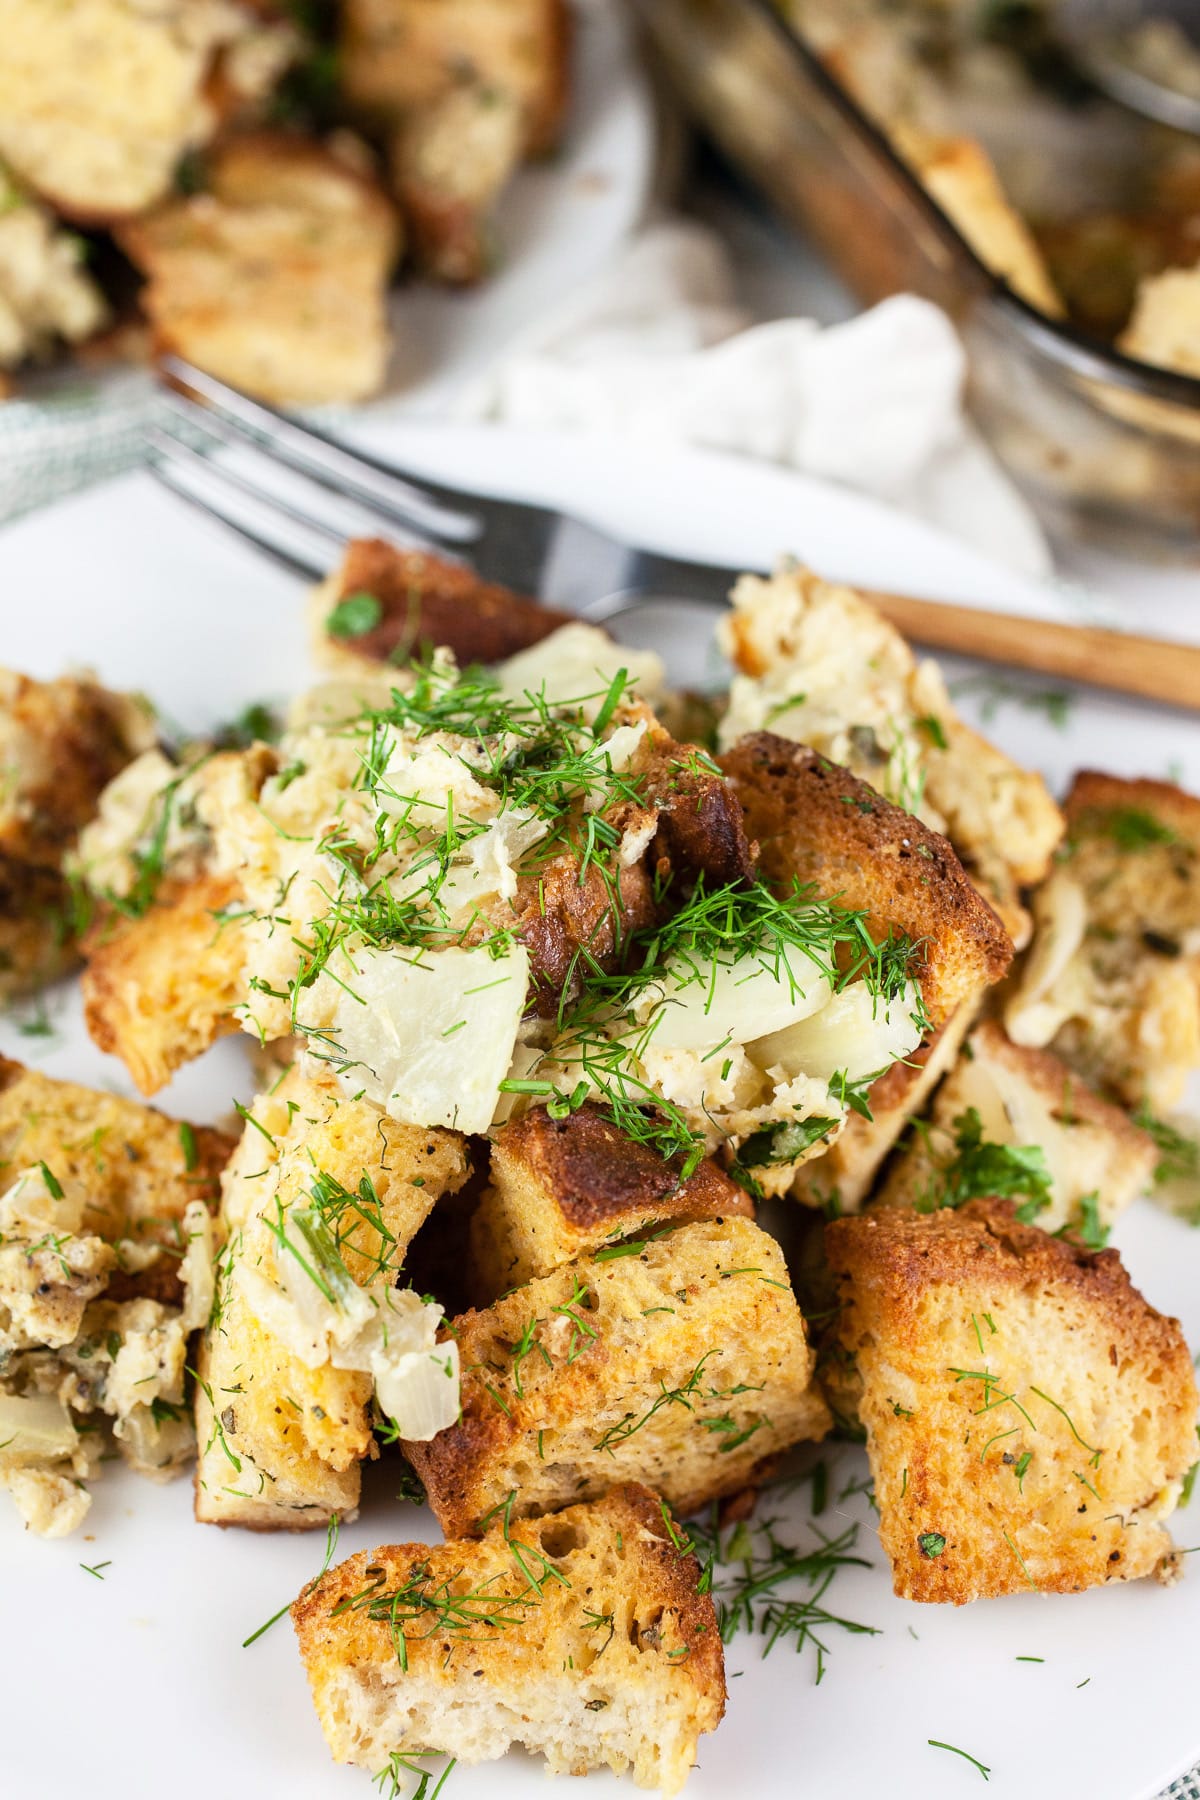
[77, 430]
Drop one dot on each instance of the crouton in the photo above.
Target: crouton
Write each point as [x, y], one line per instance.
[134, 1171]
[818, 664]
[1165, 326]
[1029, 1417]
[419, 601]
[817, 823]
[582, 1637]
[100, 99]
[397, 56]
[840, 1179]
[160, 989]
[274, 277]
[281, 1427]
[1083, 1161]
[561, 1187]
[36, 943]
[1112, 983]
[450, 162]
[47, 296]
[61, 743]
[682, 1362]
[962, 178]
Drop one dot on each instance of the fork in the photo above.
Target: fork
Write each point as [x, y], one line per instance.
[559, 559]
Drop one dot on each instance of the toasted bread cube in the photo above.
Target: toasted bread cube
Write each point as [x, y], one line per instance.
[135, 1170]
[47, 295]
[581, 1637]
[100, 99]
[160, 989]
[282, 1432]
[36, 943]
[818, 664]
[1094, 1160]
[1029, 1417]
[962, 178]
[61, 743]
[1165, 325]
[562, 1187]
[420, 601]
[817, 823]
[681, 1361]
[274, 278]
[397, 56]
[451, 161]
[840, 1180]
[1112, 983]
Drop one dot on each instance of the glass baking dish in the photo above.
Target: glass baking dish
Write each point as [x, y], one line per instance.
[1103, 446]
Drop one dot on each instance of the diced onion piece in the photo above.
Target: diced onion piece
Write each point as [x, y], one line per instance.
[196, 1266]
[735, 1002]
[419, 1390]
[854, 1034]
[431, 1039]
[1032, 1015]
[577, 664]
[34, 1428]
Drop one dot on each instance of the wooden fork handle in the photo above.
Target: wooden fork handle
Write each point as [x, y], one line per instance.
[1151, 668]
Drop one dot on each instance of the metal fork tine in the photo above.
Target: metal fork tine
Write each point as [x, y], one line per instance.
[177, 451]
[322, 457]
[306, 567]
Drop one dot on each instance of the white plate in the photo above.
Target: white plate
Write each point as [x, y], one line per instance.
[144, 1671]
[557, 226]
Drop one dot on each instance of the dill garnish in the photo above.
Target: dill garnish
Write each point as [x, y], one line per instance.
[750, 1568]
[979, 1170]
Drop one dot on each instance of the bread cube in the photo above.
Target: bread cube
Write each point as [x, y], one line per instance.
[1093, 1160]
[1112, 983]
[274, 276]
[414, 600]
[815, 822]
[582, 1637]
[681, 1361]
[563, 1187]
[1029, 1417]
[134, 1171]
[818, 664]
[281, 1429]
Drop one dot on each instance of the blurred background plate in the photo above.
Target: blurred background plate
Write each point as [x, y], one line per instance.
[557, 227]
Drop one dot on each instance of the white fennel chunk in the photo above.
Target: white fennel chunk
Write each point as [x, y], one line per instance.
[430, 1038]
[576, 665]
[856, 1033]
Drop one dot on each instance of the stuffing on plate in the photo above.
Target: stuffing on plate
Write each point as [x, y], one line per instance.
[561, 990]
[261, 167]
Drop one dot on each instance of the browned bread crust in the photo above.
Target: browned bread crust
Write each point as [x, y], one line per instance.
[612, 1656]
[816, 823]
[63, 741]
[684, 1364]
[160, 989]
[398, 55]
[841, 1179]
[424, 600]
[564, 1186]
[1029, 1417]
[1112, 983]
[274, 277]
[36, 945]
[136, 1169]
[701, 822]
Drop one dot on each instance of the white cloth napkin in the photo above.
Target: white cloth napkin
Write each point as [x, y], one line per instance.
[659, 348]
